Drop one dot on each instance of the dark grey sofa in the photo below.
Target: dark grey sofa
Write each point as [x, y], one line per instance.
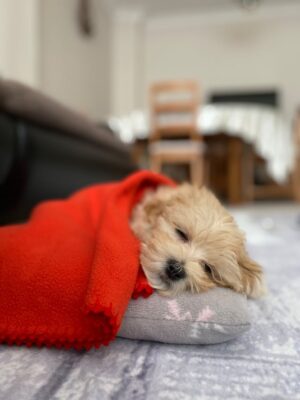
[48, 151]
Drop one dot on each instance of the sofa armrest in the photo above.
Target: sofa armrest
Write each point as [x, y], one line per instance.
[26, 103]
[38, 164]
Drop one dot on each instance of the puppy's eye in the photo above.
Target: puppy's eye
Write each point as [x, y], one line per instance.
[183, 236]
[207, 268]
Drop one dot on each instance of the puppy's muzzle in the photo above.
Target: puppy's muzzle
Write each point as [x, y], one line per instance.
[175, 270]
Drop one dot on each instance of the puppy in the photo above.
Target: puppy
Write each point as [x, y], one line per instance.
[189, 242]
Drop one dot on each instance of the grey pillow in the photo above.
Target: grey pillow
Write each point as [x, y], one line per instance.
[211, 317]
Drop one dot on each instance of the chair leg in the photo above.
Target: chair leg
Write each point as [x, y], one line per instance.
[196, 166]
[248, 179]
[234, 170]
[155, 164]
[206, 172]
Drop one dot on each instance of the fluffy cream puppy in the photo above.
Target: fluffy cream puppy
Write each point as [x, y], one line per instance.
[189, 242]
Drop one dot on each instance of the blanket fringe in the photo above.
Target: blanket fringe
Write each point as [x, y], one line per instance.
[65, 338]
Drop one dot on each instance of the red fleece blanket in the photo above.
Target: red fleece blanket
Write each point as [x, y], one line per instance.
[67, 275]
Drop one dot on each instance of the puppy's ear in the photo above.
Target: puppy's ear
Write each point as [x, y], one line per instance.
[144, 215]
[153, 209]
[252, 277]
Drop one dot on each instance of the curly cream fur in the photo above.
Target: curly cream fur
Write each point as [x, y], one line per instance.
[213, 238]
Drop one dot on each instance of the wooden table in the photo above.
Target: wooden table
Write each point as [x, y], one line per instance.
[230, 165]
[224, 172]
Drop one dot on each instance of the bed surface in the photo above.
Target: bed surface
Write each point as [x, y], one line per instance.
[264, 363]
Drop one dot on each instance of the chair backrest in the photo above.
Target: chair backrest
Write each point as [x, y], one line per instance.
[173, 107]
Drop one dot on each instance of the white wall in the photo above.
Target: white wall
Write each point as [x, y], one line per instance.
[228, 51]
[19, 40]
[110, 72]
[74, 68]
[127, 65]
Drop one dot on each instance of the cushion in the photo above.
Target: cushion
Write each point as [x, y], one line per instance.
[215, 316]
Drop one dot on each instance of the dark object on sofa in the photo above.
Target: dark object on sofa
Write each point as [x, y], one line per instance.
[48, 151]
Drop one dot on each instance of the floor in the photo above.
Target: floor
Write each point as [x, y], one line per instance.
[262, 364]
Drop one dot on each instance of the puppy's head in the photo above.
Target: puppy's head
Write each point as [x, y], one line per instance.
[189, 242]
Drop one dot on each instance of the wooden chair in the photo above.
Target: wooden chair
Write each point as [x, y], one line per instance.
[174, 142]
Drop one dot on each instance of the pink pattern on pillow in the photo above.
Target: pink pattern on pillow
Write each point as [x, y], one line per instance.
[205, 314]
[176, 313]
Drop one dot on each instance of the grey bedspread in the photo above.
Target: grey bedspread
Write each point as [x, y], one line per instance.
[262, 364]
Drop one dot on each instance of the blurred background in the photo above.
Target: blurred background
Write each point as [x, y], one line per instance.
[203, 90]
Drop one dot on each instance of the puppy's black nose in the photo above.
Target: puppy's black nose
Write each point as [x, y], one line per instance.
[175, 270]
